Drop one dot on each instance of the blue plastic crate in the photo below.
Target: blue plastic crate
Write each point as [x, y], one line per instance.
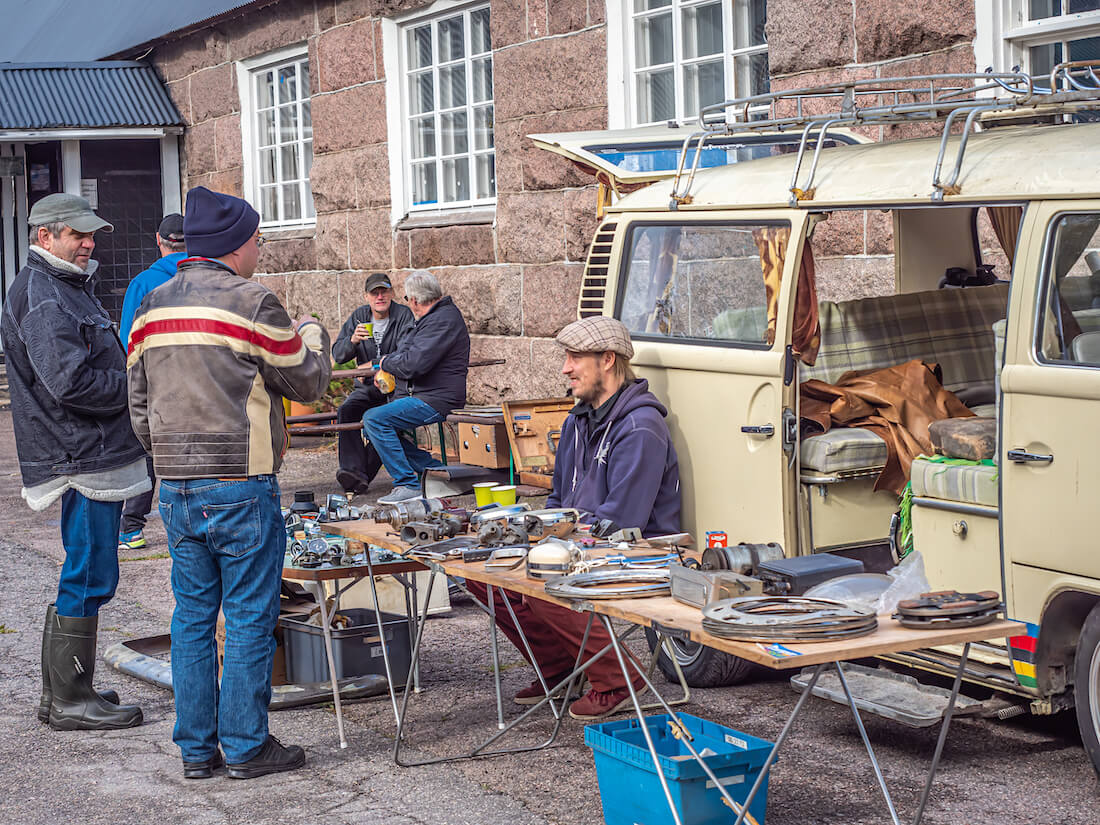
[631, 791]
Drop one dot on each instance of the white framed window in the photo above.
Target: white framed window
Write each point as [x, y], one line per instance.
[678, 56]
[277, 134]
[1036, 35]
[439, 89]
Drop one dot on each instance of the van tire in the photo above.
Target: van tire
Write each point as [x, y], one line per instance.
[1086, 682]
[702, 666]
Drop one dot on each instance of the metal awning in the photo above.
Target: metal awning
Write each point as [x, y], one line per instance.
[108, 95]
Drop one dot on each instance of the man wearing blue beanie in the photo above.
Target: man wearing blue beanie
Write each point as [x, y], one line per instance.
[211, 356]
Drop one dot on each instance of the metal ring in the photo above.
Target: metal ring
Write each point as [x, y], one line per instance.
[612, 583]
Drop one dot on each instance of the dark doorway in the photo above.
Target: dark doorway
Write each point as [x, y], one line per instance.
[127, 192]
[43, 170]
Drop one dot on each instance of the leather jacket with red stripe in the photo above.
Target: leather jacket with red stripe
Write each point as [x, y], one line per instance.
[211, 356]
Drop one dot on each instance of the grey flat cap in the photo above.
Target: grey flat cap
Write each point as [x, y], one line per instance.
[72, 210]
[597, 334]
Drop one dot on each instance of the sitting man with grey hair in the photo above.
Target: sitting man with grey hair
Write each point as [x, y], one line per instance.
[430, 370]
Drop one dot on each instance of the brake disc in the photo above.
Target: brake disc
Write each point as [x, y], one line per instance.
[786, 618]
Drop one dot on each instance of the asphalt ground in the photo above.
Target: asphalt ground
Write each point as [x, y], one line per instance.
[1025, 770]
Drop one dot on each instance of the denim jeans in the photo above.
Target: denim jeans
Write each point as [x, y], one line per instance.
[404, 461]
[89, 533]
[227, 542]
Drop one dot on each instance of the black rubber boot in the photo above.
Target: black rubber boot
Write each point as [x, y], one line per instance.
[47, 692]
[75, 704]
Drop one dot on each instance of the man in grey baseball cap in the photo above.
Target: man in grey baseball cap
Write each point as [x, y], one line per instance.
[67, 379]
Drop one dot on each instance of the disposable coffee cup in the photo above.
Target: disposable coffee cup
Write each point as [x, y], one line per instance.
[505, 494]
[483, 492]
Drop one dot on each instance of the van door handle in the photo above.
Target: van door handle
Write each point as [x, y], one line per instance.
[1024, 457]
[766, 430]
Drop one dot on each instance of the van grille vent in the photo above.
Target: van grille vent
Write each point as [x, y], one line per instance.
[594, 286]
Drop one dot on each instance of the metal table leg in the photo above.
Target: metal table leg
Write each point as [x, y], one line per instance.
[381, 634]
[326, 632]
[867, 745]
[947, 714]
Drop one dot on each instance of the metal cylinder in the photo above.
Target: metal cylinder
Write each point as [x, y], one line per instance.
[741, 558]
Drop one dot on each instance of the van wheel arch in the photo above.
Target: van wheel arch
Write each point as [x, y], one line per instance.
[1062, 621]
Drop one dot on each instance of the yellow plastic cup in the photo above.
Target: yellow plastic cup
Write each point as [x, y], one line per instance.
[505, 494]
[368, 327]
[483, 492]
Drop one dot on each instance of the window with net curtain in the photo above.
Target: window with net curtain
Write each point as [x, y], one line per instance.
[449, 113]
[283, 146]
[687, 54]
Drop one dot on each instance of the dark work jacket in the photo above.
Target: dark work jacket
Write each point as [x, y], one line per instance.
[66, 376]
[433, 361]
[624, 469]
[366, 351]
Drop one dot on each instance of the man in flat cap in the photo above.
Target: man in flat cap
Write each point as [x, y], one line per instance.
[212, 354]
[171, 247]
[615, 460]
[67, 378]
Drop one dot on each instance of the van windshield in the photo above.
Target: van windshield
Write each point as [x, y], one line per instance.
[704, 282]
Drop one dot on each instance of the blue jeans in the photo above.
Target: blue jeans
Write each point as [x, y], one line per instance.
[404, 461]
[89, 533]
[227, 542]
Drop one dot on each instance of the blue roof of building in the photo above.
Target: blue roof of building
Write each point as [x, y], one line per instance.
[53, 30]
[119, 93]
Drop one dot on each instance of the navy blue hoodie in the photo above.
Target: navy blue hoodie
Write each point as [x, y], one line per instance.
[625, 469]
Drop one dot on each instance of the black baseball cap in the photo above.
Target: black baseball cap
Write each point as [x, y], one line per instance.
[171, 228]
[376, 280]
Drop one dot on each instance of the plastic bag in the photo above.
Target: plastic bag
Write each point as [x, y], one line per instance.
[859, 590]
[909, 582]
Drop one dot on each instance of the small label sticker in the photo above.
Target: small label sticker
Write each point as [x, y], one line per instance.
[727, 780]
[778, 651]
[375, 652]
[737, 743]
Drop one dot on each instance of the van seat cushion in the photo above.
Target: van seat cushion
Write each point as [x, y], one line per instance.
[949, 327]
[843, 449]
[968, 483]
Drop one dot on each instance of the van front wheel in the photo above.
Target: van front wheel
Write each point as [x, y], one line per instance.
[1086, 677]
[702, 666]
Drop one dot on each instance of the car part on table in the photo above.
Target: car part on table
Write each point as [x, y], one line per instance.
[479, 516]
[500, 531]
[699, 587]
[611, 583]
[680, 541]
[556, 521]
[415, 509]
[949, 608]
[552, 558]
[507, 558]
[304, 502]
[794, 576]
[786, 619]
[741, 558]
[446, 549]
[440, 526]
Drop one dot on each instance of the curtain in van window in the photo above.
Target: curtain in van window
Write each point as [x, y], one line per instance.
[1006, 226]
[771, 241]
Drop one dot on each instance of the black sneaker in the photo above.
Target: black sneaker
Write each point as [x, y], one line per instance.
[273, 757]
[204, 769]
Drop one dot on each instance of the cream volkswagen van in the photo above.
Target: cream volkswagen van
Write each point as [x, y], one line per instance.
[715, 273]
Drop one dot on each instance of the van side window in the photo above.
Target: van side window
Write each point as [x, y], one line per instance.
[703, 282]
[1069, 329]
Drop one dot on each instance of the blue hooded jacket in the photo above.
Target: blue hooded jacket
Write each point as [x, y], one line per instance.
[625, 469]
[142, 284]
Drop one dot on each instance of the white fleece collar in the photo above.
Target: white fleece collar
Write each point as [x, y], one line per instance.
[56, 262]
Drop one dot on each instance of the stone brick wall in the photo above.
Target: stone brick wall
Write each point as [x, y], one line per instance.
[516, 278]
[813, 42]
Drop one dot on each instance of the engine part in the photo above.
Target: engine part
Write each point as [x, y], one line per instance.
[304, 502]
[603, 528]
[507, 558]
[793, 577]
[611, 583]
[700, 587]
[415, 509]
[741, 558]
[496, 533]
[558, 521]
[551, 558]
[786, 619]
[422, 532]
[949, 608]
[493, 513]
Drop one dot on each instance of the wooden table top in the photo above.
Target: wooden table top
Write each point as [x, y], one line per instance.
[890, 637]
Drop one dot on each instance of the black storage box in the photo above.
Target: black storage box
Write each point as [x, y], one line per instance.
[356, 649]
[793, 577]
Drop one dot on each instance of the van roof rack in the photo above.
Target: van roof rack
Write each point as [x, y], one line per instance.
[987, 96]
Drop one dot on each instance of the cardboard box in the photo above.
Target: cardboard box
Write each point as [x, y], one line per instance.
[483, 445]
[533, 429]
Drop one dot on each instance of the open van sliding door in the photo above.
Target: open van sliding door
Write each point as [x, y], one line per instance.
[694, 295]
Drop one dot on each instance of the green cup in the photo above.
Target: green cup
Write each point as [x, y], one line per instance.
[504, 495]
[483, 493]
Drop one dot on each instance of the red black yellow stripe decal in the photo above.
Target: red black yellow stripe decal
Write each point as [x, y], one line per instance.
[1022, 649]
